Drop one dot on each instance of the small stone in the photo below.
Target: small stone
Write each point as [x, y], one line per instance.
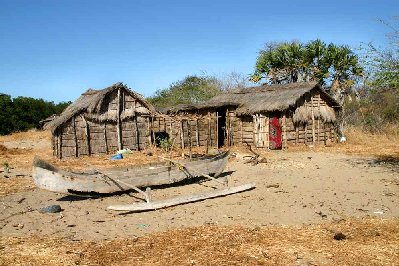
[50, 209]
[339, 236]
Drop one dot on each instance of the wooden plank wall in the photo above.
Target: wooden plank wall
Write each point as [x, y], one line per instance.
[81, 136]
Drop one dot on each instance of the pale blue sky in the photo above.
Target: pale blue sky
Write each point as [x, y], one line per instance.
[56, 49]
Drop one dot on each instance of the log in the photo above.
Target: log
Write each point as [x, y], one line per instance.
[143, 206]
[118, 121]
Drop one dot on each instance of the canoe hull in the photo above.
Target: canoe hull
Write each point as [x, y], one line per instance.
[54, 179]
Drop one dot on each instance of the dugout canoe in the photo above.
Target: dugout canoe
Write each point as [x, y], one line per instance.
[49, 177]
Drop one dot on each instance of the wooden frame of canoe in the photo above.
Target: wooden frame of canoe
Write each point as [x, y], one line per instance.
[49, 177]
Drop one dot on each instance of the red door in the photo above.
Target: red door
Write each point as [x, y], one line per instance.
[275, 133]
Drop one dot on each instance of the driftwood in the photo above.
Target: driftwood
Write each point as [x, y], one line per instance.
[256, 159]
[143, 206]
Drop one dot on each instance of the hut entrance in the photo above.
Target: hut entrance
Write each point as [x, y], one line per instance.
[161, 140]
[221, 124]
[275, 132]
[260, 122]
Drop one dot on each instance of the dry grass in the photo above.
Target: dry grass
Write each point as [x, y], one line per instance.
[369, 242]
[359, 142]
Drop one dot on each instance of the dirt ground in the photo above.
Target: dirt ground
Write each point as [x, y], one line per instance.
[302, 198]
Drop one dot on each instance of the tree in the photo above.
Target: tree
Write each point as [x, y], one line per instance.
[23, 113]
[383, 64]
[6, 114]
[190, 90]
[290, 62]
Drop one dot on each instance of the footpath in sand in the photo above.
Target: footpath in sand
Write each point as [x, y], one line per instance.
[302, 199]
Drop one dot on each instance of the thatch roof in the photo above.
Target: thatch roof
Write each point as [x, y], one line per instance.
[261, 99]
[91, 102]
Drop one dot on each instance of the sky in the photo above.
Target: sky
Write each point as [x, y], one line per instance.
[57, 49]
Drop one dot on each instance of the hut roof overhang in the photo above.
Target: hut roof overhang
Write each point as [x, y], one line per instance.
[260, 99]
[91, 103]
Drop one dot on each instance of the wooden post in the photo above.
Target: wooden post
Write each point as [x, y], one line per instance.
[197, 133]
[105, 139]
[75, 137]
[149, 131]
[208, 135]
[306, 133]
[313, 121]
[182, 134]
[87, 134]
[242, 133]
[318, 120]
[60, 144]
[217, 130]
[189, 138]
[152, 129]
[297, 134]
[267, 131]
[118, 121]
[137, 134]
[285, 131]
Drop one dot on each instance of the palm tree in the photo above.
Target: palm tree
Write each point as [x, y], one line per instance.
[345, 66]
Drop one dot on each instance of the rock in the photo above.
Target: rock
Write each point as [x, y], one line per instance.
[339, 236]
[50, 209]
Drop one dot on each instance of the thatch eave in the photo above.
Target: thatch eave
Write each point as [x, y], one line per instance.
[91, 101]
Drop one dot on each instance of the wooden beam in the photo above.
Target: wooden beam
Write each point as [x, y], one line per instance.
[189, 138]
[313, 121]
[182, 134]
[75, 137]
[105, 139]
[267, 131]
[87, 134]
[217, 130]
[242, 133]
[118, 121]
[149, 131]
[284, 131]
[143, 206]
[196, 132]
[60, 144]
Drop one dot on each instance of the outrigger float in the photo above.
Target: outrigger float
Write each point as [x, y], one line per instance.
[49, 177]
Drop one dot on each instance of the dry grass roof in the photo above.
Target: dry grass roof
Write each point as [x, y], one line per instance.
[260, 99]
[91, 102]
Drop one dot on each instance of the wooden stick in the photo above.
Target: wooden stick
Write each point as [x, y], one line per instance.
[181, 200]
[217, 130]
[189, 138]
[313, 121]
[145, 194]
[87, 134]
[193, 170]
[118, 122]
[182, 135]
[75, 138]
[197, 133]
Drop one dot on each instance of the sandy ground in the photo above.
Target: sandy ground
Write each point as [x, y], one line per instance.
[309, 187]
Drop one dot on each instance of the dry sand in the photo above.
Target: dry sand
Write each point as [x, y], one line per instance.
[303, 196]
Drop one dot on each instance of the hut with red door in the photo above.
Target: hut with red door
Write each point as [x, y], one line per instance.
[271, 117]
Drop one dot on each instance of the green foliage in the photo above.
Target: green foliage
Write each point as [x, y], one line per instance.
[190, 90]
[23, 113]
[383, 64]
[6, 114]
[375, 109]
[289, 62]
[165, 143]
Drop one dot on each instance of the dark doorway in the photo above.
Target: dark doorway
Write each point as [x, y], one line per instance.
[221, 126]
[160, 139]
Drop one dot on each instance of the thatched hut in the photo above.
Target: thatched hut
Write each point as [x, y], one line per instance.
[270, 117]
[103, 121]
